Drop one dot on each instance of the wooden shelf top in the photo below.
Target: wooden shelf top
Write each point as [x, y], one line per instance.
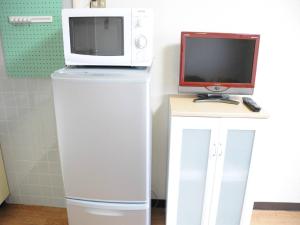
[183, 105]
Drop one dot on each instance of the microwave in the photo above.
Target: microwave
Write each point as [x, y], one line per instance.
[108, 37]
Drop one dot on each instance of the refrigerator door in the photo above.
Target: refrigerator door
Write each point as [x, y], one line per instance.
[103, 125]
[91, 213]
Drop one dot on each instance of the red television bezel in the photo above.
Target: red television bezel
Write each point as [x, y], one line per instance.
[184, 35]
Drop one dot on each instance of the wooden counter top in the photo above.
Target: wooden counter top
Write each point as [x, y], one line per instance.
[183, 105]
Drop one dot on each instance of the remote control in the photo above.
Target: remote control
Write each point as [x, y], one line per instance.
[251, 104]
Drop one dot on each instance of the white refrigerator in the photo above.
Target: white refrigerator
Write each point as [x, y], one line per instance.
[104, 136]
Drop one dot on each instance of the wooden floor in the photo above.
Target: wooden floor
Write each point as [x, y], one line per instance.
[38, 215]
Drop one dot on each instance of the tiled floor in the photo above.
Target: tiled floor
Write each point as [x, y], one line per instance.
[38, 215]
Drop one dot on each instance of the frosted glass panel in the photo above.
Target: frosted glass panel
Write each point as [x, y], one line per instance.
[194, 160]
[235, 175]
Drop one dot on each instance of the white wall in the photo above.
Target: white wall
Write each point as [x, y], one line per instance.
[278, 22]
[278, 74]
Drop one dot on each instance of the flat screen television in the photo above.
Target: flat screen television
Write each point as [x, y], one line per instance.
[218, 63]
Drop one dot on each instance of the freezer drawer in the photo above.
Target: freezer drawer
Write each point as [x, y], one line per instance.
[103, 125]
[93, 213]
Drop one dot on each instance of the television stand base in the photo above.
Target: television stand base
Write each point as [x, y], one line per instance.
[215, 98]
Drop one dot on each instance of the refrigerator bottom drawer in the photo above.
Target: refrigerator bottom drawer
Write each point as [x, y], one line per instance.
[95, 213]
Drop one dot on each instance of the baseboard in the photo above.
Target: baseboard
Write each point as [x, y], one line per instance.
[3, 204]
[277, 206]
[158, 203]
[161, 203]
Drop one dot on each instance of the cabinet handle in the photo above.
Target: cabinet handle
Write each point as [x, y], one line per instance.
[214, 153]
[220, 150]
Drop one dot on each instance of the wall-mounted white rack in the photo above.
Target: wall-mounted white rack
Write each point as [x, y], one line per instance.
[16, 20]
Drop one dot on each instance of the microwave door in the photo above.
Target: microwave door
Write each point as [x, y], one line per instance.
[97, 36]
[99, 40]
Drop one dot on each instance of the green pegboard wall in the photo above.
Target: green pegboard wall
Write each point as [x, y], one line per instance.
[34, 50]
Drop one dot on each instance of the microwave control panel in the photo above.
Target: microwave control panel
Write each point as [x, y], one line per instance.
[142, 37]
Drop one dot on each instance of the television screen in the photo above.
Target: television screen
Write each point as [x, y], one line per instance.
[218, 62]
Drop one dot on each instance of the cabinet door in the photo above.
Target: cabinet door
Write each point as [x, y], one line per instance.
[231, 201]
[191, 167]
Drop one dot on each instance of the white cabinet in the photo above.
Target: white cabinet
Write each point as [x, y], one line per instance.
[210, 156]
[3, 182]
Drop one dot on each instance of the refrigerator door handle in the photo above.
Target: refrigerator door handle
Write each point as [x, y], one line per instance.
[101, 212]
[107, 207]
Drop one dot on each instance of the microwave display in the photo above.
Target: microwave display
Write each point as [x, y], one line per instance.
[99, 36]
